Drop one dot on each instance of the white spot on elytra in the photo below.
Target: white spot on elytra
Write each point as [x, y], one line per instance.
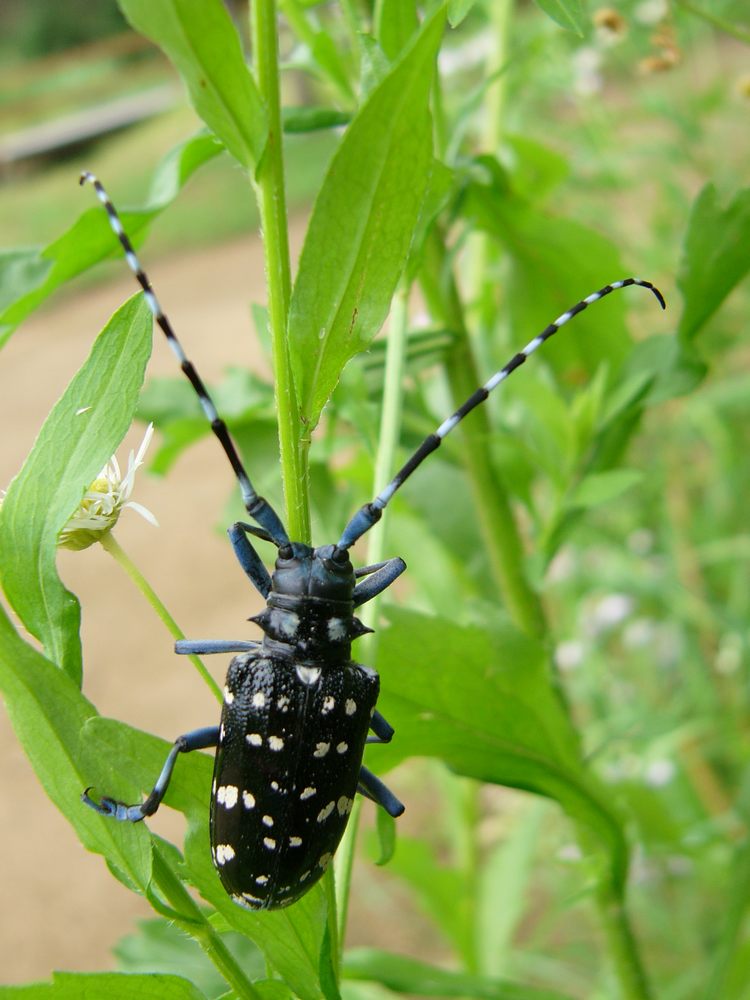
[328, 704]
[295, 841]
[248, 800]
[321, 749]
[308, 792]
[350, 707]
[270, 843]
[259, 699]
[262, 879]
[224, 853]
[324, 860]
[275, 785]
[251, 899]
[344, 805]
[268, 820]
[228, 696]
[275, 743]
[342, 747]
[227, 796]
[244, 903]
[283, 703]
[326, 812]
[254, 739]
[308, 675]
[304, 876]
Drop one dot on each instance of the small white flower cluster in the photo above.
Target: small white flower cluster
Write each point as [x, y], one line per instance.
[104, 501]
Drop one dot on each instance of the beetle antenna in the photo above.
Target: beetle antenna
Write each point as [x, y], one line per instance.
[257, 507]
[371, 512]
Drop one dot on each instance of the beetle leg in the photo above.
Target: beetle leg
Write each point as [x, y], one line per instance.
[199, 739]
[383, 730]
[373, 789]
[382, 577]
[248, 558]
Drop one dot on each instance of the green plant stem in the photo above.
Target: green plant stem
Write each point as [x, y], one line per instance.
[621, 944]
[496, 520]
[269, 184]
[110, 544]
[197, 926]
[482, 289]
[714, 19]
[390, 428]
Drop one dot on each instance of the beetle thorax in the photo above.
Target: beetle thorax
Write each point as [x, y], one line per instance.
[309, 615]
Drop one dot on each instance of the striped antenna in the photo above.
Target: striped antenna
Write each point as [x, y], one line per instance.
[257, 507]
[368, 515]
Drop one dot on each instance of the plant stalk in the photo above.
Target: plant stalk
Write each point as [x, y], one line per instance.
[621, 944]
[270, 192]
[385, 459]
[200, 929]
[110, 544]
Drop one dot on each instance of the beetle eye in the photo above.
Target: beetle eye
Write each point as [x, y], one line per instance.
[286, 552]
[340, 556]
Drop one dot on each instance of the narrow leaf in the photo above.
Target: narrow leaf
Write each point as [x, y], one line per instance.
[362, 226]
[78, 437]
[28, 277]
[407, 975]
[570, 14]
[395, 23]
[112, 985]
[458, 10]
[202, 42]
[715, 257]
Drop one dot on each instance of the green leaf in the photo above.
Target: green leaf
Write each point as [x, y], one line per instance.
[202, 42]
[715, 256]
[28, 277]
[553, 263]
[312, 119]
[395, 23]
[458, 10]
[570, 14]
[407, 975]
[362, 225]
[109, 985]
[497, 719]
[49, 714]
[386, 829]
[603, 487]
[78, 437]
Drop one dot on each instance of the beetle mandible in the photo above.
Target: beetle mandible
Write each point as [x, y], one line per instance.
[297, 709]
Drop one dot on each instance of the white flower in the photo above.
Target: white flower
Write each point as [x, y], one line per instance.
[104, 501]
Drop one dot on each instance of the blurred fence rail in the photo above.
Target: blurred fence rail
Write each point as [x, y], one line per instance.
[56, 102]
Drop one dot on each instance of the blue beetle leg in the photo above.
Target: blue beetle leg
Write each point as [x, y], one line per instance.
[248, 558]
[199, 739]
[383, 730]
[204, 647]
[373, 789]
[380, 579]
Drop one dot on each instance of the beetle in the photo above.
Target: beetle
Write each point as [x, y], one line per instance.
[297, 710]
